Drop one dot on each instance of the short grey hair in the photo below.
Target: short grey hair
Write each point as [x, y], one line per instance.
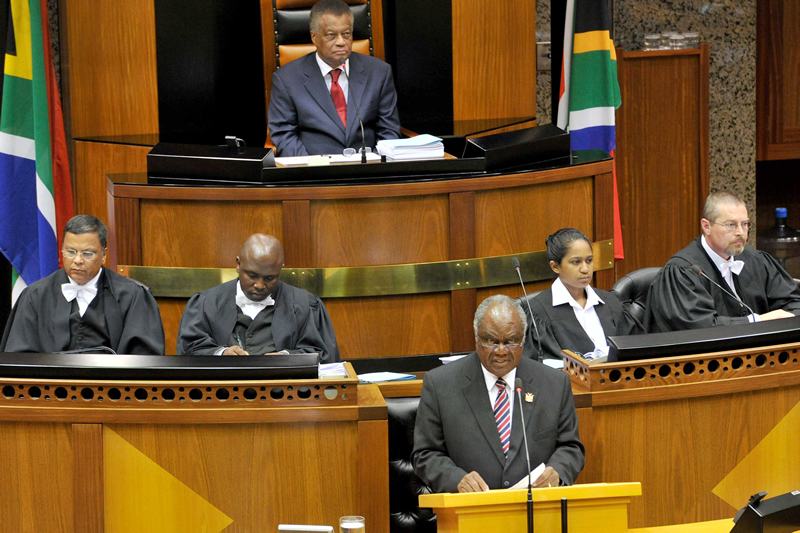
[80, 224]
[328, 7]
[500, 300]
[714, 200]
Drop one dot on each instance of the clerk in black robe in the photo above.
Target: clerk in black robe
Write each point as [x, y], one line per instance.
[680, 299]
[121, 314]
[556, 309]
[257, 313]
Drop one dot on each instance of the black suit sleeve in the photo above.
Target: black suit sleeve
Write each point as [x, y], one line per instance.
[142, 330]
[431, 461]
[195, 334]
[568, 457]
[22, 330]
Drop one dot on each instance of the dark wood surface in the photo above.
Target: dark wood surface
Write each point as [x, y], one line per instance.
[662, 152]
[777, 79]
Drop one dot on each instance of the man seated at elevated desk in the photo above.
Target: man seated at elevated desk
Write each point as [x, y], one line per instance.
[257, 313]
[468, 430]
[85, 305]
[312, 108]
[750, 285]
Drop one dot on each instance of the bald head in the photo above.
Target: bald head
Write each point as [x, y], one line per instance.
[259, 266]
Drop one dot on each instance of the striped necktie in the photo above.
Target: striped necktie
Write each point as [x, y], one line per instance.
[502, 415]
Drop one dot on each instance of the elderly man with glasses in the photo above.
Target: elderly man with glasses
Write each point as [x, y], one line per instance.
[750, 285]
[468, 433]
[85, 306]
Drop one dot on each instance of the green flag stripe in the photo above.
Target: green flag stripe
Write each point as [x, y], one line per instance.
[17, 118]
[41, 115]
[594, 81]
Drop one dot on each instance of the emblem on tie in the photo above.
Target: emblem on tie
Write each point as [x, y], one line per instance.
[529, 397]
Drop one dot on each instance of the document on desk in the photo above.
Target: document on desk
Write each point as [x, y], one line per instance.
[381, 377]
[523, 483]
[300, 160]
[419, 147]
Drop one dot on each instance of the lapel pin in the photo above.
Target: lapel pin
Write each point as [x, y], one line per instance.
[529, 397]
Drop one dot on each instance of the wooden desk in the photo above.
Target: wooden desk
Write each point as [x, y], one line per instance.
[190, 456]
[367, 225]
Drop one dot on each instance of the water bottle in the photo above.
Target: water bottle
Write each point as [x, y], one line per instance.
[780, 241]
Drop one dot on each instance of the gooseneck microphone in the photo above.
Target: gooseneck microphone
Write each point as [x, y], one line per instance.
[697, 270]
[515, 262]
[342, 62]
[518, 389]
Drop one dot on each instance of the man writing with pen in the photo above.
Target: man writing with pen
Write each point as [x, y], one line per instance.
[257, 313]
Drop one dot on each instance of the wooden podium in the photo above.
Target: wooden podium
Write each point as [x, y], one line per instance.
[133, 455]
[597, 507]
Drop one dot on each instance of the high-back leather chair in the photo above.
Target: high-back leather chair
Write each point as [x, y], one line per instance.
[631, 289]
[291, 35]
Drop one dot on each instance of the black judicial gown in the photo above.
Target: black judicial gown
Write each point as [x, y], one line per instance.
[679, 299]
[560, 330]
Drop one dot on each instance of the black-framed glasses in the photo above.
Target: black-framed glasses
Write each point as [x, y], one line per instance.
[492, 344]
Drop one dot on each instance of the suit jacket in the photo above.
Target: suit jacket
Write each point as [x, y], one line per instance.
[455, 430]
[303, 119]
[39, 322]
[679, 299]
[560, 330]
[301, 322]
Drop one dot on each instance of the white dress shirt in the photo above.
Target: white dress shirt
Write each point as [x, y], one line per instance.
[727, 274]
[326, 69]
[84, 294]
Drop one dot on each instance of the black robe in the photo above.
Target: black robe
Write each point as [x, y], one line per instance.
[560, 330]
[679, 299]
[39, 322]
[301, 322]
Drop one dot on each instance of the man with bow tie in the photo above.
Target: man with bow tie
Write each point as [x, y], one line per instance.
[257, 313]
[85, 305]
[681, 299]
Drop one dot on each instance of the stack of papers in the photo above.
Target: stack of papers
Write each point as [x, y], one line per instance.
[332, 370]
[380, 377]
[419, 147]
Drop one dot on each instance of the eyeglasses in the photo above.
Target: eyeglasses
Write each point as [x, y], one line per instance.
[493, 344]
[70, 254]
[731, 226]
[350, 152]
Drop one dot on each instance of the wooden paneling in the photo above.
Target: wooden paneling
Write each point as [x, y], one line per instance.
[171, 310]
[662, 152]
[494, 59]
[373, 472]
[204, 234]
[87, 458]
[391, 326]
[36, 467]
[777, 79]
[111, 72]
[379, 231]
[520, 222]
[93, 161]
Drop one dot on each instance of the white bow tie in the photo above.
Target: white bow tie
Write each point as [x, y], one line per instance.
[731, 266]
[71, 291]
[243, 301]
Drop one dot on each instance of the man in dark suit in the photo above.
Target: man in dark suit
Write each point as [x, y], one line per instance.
[257, 313]
[462, 441]
[312, 109]
[85, 305]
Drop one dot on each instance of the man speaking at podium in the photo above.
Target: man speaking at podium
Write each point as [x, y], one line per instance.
[312, 108]
[468, 431]
[257, 313]
[85, 306]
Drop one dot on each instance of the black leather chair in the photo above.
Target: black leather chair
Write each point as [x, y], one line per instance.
[631, 289]
[531, 296]
[404, 486]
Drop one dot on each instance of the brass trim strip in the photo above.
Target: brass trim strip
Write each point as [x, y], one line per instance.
[385, 280]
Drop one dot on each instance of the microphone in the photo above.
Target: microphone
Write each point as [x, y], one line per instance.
[342, 61]
[697, 270]
[515, 262]
[518, 389]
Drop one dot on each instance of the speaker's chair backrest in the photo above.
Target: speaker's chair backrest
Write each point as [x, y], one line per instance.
[292, 38]
[631, 289]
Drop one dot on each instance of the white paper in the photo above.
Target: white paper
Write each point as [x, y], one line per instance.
[558, 364]
[535, 473]
[300, 160]
[451, 358]
[329, 370]
[379, 377]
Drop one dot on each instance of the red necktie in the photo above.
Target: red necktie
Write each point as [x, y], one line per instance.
[338, 96]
